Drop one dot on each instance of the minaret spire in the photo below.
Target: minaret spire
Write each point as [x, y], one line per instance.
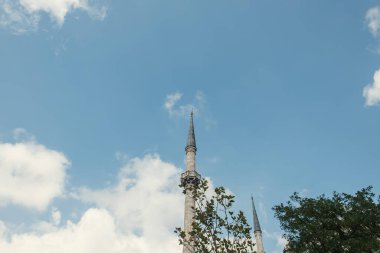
[256, 223]
[189, 179]
[257, 229]
[191, 135]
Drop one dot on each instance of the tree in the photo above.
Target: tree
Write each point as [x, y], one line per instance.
[341, 223]
[216, 227]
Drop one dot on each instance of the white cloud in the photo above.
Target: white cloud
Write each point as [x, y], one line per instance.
[24, 15]
[136, 215]
[175, 110]
[31, 175]
[170, 105]
[146, 203]
[371, 92]
[373, 20]
[96, 232]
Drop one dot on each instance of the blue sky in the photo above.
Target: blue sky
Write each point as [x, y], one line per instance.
[285, 95]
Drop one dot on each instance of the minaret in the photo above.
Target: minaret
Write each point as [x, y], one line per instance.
[190, 178]
[257, 229]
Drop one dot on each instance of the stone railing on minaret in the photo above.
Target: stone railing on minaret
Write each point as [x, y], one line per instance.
[190, 178]
[257, 230]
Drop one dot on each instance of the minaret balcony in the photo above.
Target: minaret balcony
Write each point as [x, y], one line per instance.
[190, 177]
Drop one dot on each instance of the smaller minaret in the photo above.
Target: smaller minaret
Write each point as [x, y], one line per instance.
[257, 229]
[189, 179]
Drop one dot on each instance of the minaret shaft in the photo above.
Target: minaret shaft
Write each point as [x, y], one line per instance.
[188, 219]
[190, 160]
[259, 242]
[189, 199]
[188, 179]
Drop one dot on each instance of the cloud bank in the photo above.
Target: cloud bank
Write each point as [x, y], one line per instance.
[22, 16]
[137, 214]
[146, 203]
[95, 232]
[31, 175]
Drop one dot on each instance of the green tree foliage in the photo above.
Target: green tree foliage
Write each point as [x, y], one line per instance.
[216, 227]
[341, 223]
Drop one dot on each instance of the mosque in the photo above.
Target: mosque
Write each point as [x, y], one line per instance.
[192, 177]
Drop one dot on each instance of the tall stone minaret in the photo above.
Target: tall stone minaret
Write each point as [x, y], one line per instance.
[257, 230]
[190, 178]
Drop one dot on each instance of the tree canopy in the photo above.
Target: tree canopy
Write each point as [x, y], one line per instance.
[216, 227]
[340, 223]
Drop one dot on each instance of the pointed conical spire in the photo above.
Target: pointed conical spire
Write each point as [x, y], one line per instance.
[191, 135]
[256, 223]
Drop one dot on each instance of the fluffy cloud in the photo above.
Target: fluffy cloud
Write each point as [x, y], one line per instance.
[373, 20]
[175, 110]
[96, 232]
[146, 203]
[137, 214]
[31, 175]
[371, 92]
[24, 15]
